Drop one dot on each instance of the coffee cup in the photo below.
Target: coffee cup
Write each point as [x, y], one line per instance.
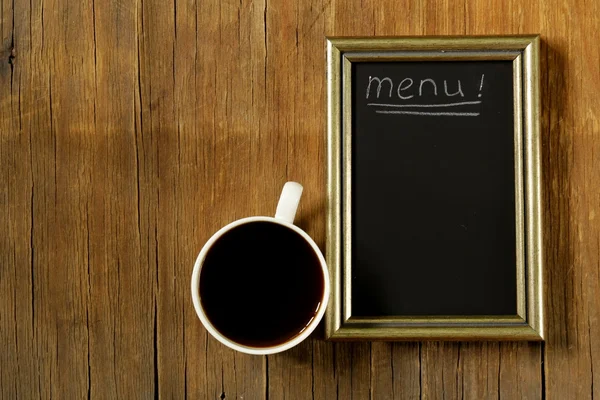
[260, 285]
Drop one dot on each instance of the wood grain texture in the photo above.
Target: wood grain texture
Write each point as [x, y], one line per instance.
[130, 131]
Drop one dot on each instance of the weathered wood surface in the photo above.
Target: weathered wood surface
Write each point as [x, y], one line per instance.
[132, 130]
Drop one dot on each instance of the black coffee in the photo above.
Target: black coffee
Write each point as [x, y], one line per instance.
[261, 284]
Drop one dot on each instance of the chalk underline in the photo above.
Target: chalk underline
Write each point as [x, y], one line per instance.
[461, 103]
[455, 114]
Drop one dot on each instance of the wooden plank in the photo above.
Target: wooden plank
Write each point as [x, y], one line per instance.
[121, 305]
[571, 138]
[291, 373]
[353, 370]
[384, 381]
[480, 370]
[406, 374]
[515, 378]
[441, 370]
[220, 370]
[17, 312]
[61, 191]
[194, 30]
[382, 370]
[158, 144]
[325, 381]
[28, 136]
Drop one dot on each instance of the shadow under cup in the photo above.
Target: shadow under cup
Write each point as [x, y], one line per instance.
[261, 284]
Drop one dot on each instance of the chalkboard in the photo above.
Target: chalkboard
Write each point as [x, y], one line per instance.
[433, 188]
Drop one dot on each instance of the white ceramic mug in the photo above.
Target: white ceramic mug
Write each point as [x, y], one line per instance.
[284, 216]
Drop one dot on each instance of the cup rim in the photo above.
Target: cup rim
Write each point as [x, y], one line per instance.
[249, 349]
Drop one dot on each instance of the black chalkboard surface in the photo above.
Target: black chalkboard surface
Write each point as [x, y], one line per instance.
[433, 188]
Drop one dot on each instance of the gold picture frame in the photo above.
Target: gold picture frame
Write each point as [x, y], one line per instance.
[528, 323]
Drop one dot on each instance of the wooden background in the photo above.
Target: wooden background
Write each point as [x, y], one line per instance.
[132, 130]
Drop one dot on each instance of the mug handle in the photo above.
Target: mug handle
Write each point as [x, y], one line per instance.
[288, 202]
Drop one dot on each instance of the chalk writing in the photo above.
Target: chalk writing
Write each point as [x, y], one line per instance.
[481, 85]
[408, 89]
[380, 82]
[400, 88]
[458, 91]
[450, 114]
[425, 81]
[461, 103]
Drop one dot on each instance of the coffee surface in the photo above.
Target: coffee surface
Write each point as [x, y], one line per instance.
[261, 284]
